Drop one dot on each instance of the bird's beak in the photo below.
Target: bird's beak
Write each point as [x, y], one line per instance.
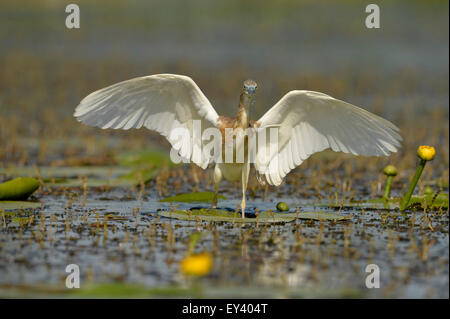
[251, 90]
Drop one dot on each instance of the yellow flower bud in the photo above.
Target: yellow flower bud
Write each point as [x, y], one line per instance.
[197, 264]
[426, 152]
[390, 170]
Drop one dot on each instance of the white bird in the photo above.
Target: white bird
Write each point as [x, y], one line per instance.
[307, 122]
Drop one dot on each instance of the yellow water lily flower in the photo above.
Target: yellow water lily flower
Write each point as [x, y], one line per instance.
[426, 152]
[197, 264]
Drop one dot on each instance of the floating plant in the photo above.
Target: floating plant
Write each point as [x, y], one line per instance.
[205, 197]
[97, 176]
[144, 157]
[262, 217]
[19, 188]
[13, 205]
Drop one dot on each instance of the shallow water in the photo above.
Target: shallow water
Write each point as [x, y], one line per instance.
[329, 258]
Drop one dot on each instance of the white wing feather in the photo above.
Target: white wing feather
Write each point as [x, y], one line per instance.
[311, 122]
[159, 102]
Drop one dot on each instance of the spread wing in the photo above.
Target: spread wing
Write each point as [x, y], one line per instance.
[310, 122]
[161, 102]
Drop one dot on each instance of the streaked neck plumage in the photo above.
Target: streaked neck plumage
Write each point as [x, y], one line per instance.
[246, 100]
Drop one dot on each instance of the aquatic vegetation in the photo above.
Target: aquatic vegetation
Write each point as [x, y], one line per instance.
[428, 190]
[431, 201]
[144, 157]
[282, 207]
[390, 171]
[197, 264]
[136, 290]
[91, 176]
[19, 188]
[425, 153]
[205, 197]
[323, 216]
[224, 215]
[12, 205]
[137, 176]
[260, 217]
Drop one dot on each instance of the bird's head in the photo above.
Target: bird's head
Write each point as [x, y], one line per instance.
[250, 87]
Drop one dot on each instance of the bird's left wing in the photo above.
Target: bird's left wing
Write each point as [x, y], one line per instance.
[308, 122]
[161, 102]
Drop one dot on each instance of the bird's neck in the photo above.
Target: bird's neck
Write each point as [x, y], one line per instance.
[244, 110]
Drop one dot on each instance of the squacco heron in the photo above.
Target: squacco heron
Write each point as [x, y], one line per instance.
[307, 122]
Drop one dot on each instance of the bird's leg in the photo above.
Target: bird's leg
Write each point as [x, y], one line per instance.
[217, 179]
[214, 202]
[245, 172]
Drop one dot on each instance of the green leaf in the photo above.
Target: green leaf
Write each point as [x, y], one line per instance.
[145, 157]
[322, 216]
[19, 188]
[263, 217]
[10, 205]
[441, 200]
[65, 172]
[97, 176]
[226, 216]
[205, 197]
[377, 203]
[140, 175]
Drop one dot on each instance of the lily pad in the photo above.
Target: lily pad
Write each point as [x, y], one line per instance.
[205, 197]
[144, 157]
[441, 200]
[97, 176]
[377, 203]
[263, 217]
[140, 175]
[322, 216]
[417, 201]
[18, 188]
[223, 215]
[65, 172]
[11, 205]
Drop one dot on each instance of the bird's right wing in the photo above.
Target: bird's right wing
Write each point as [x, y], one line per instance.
[162, 102]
